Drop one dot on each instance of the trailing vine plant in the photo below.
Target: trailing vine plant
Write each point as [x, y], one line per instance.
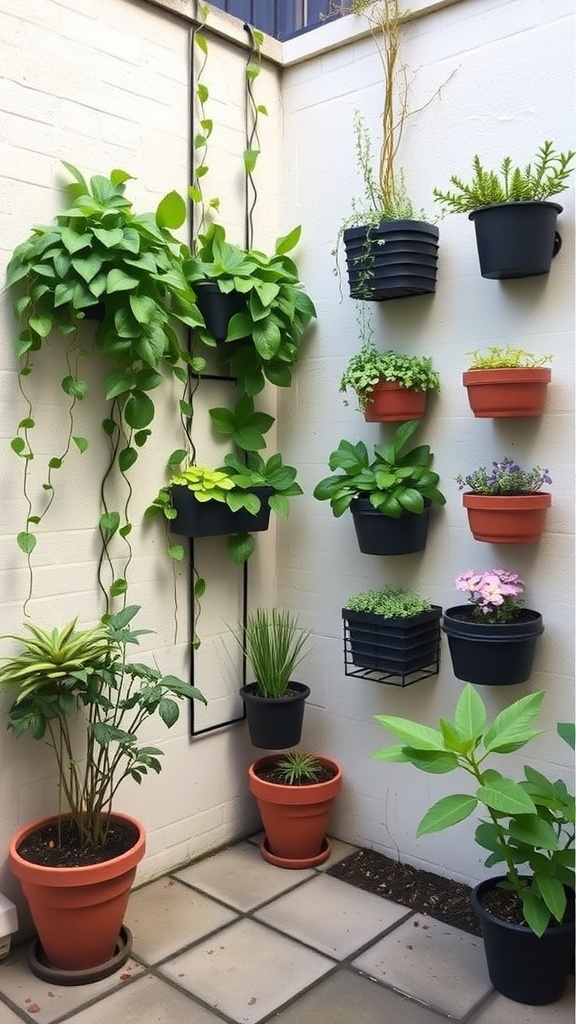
[100, 260]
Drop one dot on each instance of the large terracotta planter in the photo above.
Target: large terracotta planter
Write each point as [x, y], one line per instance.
[512, 519]
[522, 966]
[507, 392]
[78, 911]
[295, 818]
[388, 402]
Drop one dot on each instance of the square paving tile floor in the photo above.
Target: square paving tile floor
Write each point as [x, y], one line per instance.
[232, 940]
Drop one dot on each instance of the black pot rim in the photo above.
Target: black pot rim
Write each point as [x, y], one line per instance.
[248, 692]
[522, 204]
[490, 632]
[491, 883]
[399, 622]
[392, 225]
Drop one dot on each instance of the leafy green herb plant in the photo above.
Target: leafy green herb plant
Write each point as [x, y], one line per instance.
[394, 481]
[65, 678]
[370, 366]
[274, 643]
[390, 602]
[100, 258]
[547, 176]
[527, 826]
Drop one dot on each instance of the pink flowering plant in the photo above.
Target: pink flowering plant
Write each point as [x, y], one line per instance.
[505, 478]
[495, 594]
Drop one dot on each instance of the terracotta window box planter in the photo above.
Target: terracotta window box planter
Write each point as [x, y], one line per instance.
[507, 519]
[390, 403]
[507, 392]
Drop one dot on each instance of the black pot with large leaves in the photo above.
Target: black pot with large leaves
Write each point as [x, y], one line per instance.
[522, 966]
[214, 518]
[378, 534]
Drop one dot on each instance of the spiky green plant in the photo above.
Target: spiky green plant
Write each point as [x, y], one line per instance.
[296, 768]
[274, 643]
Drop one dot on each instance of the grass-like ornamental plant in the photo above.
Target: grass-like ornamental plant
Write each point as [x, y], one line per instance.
[390, 602]
[296, 768]
[62, 677]
[527, 826]
[394, 481]
[546, 176]
[369, 366]
[507, 357]
[505, 478]
[274, 643]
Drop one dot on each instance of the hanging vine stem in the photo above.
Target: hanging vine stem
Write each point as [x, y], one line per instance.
[206, 126]
[21, 444]
[253, 112]
[110, 522]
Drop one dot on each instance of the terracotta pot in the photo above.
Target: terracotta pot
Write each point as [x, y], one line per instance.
[507, 392]
[513, 519]
[295, 818]
[78, 911]
[391, 403]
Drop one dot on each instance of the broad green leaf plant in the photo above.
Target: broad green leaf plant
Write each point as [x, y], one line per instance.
[99, 259]
[63, 678]
[526, 826]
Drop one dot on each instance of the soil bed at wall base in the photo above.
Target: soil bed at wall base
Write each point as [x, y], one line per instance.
[423, 891]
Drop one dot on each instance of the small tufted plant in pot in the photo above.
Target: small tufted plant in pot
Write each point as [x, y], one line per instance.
[507, 382]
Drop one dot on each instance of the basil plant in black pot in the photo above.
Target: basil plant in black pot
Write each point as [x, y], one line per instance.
[527, 913]
[389, 496]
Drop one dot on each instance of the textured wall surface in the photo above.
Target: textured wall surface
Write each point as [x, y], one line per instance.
[111, 90]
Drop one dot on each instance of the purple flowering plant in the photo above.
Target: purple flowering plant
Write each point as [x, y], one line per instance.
[505, 478]
[495, 594]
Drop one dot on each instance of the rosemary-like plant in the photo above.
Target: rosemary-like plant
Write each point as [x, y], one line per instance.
[296, 768]
[274, 643]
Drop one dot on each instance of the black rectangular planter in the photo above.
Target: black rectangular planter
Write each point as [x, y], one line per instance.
[392, 649]
[214, 518]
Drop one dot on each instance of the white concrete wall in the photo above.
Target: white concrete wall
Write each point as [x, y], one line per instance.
[104, 84]
[111, 90]
[512, 87]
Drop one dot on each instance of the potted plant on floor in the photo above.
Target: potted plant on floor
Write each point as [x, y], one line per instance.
[269, 310]
[527, 826]
[393, 632]
[492, 639]
[295, 793]
[390, 386]
[506, 382]
[77, 690]
[505, 505]
[515, 224]
[391, 250]
[389, 497]
[273, 643]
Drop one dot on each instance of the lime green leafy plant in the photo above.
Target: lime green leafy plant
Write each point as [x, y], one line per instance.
[527, 824]
[505, 357]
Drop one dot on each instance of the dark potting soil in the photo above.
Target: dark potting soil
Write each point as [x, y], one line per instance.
[270, 773]
[467, 613]
[423, 891]
[59, 846]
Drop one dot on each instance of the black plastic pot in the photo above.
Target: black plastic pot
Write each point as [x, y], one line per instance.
[275, 723]
[393, 260]
[522, 966]
[485, 654]
[213, 518]
[217, 307]
[399, 646]
[516, 239]
[382, 535]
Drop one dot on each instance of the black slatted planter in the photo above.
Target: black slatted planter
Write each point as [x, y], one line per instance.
[491, 654]
[382, 535]
[275, 723]
[398, 651]
[214, 518]
[393, 260]
[516, 239]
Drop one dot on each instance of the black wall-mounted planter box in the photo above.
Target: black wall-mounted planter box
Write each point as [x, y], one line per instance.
[385, 650]
[393, 260]
[213, 518]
